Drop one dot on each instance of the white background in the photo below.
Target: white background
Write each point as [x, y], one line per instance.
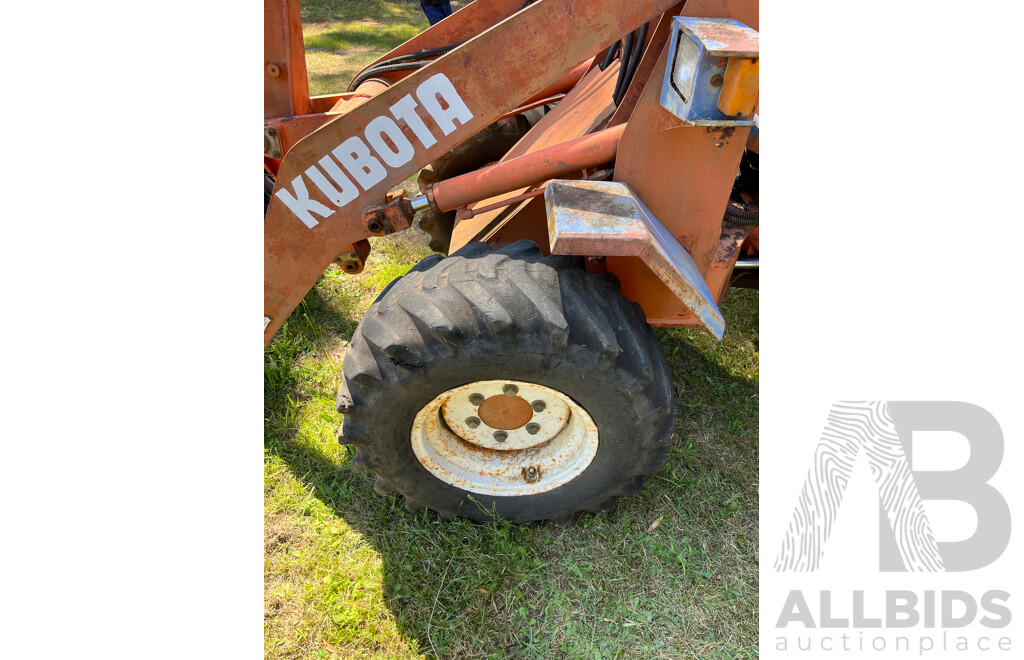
[891, 157]
[131, 263]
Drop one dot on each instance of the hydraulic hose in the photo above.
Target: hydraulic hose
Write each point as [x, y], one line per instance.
[609, 56]
[369, 73]
[740, 218]
[634, 61]
[627, 51]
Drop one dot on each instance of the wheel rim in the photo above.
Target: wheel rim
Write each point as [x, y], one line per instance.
[504, 437]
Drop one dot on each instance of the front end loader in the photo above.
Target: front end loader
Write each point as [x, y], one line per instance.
[587, 170]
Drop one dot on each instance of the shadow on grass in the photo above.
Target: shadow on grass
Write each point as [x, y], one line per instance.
[607, 585]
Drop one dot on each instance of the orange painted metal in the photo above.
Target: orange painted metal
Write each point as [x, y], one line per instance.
[465, 24]
[285, 86]
[684, 175]
[657, 39]
[572, 156]
[584, 109]
[520, 63]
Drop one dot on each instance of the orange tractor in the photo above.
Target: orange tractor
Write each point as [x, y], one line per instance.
[589, 169]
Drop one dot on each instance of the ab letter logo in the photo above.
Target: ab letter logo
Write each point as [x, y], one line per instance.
[882, 431]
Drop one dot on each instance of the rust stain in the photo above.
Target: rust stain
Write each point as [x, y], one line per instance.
[505, 412]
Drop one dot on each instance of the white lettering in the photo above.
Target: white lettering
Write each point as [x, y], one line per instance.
[405, 110]
[360, 163]
[375, 132]
[300, 204]
[389, 144]
[335, 196]
[348, 189]
[439, 87]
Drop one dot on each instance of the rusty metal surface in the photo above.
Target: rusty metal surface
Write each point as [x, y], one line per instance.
[584, 109]
[605, 218]
[727, 251]
[285, 86]
[558, 160]
[682, 177]
[694, 78]
[352, 261]
[450, 440]
[656, 42]
[722, 38]
[298, 246]
[395, 215]
[505, 412]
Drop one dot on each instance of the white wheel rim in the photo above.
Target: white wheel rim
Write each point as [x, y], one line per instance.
[554, 445]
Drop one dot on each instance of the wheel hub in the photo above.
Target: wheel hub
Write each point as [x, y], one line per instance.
[503, 437]
[505, 412]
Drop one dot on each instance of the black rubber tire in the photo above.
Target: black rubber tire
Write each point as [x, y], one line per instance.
[509, 314]
[487, 146]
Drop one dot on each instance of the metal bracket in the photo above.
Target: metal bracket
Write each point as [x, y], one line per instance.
[605, 218]
[388, 218]
[352, 262]
[271, 142]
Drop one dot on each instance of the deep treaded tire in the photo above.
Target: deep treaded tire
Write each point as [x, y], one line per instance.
[509, 314]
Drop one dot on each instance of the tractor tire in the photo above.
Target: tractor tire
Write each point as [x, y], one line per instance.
[487, 146]
[464, 349]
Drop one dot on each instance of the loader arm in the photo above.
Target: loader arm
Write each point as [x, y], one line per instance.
[328, 179]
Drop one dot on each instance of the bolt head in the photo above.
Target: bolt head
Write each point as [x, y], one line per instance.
[717, 80]
[273, 70]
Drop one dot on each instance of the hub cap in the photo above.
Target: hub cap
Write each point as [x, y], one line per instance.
[504, 437]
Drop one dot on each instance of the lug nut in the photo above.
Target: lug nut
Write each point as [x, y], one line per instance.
[538, 406]
[476, 399]
[532, 428]
[472, 422]
[500, 436]
[510, 390]
[531, 474]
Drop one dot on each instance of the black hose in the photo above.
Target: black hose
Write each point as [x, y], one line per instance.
[740, 218]
[634, 61]
[627, 51]
[401, 59]
[369, 73]
[609, 56]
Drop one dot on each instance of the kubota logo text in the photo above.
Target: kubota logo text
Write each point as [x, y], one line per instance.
[354, 157]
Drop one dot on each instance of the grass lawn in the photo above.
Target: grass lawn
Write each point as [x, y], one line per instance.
[351, 574]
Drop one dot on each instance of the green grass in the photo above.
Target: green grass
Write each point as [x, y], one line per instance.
[349, 573]
[343, 36]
